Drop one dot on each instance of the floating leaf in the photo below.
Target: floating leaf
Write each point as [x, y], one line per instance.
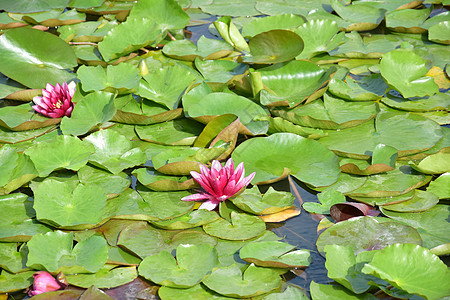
[434, 164]
[439, 33]
[23, 117]
[368, 88]
[192, 219]
[327, 199]
[113, 151]
[62, 204]
[53, 252]
[107, 277]
[271, 202]
[306, 159]
[181, 132]
[113, 185]
[205, 49]
[12, 260]
[372, 234]
[344, 211]
[328, 291]
[421, 201]
[441, 186]
[122, 76]
[275, 255]
[42, 64]
[193, 264]
[426, 277]
[230, 281]
[198, 291]
[259, 25]
[404, 70]
[62, 152]
[160, 182]
[241, 227]
[13, 282]
[407, 20]
[361, 17]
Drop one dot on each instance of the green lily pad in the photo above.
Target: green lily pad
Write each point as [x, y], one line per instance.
[405, 71]
[438, 102]
[426, 278]
[219, 70]
[408, 20]
[166, 205]
[62, 152]
[421, 201]
[372, 234]
[54, 17]
[319, 35]
[368, 88]
[441, 186]
[241, 227]
[278, 124]
[273, 47]
[43, 65]
[24, 117]
[10, 282]
[439, 33]
[306, 159]
[12, 260]
[327, 199]
[113, 151]
[90, 111]
[434, 164]
[160, 182]
[53, 252]
[385, 200]
[345, 183]
[275, 255]
[409, 133]
[292, 83]
[259, 25]
[168, 14]
[230, 281]
[361, 17]
[214, 104]
[198, 291]
[107, 277]
[166, 86]
[129, 206]
[429, 223]
[113, 185]
[271, 202]
[205, 49]
[23, 6]
[194, 236]
[121, 76]
[128, 36]
[328, 292]
[63, 205]
[193, 264]
[191, 219]
[181, 132]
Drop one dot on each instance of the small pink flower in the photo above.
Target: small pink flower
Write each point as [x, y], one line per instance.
[56, 101]
[219, 183]
[43, 282]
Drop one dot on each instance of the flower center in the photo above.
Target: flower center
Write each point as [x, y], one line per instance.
[58, 104]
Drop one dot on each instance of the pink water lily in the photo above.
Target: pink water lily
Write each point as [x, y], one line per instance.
[219, 183]
[43, 282]
[56, 101]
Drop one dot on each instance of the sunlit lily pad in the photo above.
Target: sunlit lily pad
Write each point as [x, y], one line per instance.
[331, 291]
[306, 159]
[441, 186]
[372, 234]
[421, 201]
[17, 169]
[107, 277]
[176, 132]
[160, 182]
[90, 111]
[271, 202]
[205, 49]
[11, 259]
[291, 83]
[275, 255]
[23, 117]
[43, 65]
[192, 219]
[361, 17]
[60, 204]
[327, 199]
[428, 223]
[166, 205]
[241, 227]
[113, 185]
[63, 152]
[198, 291]
[122, 76]
[259, 25]
[404, 70]
[407, 20]
[193, 264]
[230, 281]
[10, 282]
[53, 252]
[113, 151]
[439, 33]
[368, 88]
[219, 70]
[427, 277]
[437, 163]
[438, 101]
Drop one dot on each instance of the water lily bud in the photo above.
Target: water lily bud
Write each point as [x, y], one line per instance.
[43, 282]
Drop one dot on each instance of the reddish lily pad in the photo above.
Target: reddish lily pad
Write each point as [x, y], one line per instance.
[344, 211]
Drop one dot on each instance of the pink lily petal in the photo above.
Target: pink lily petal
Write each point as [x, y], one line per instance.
[209, 205]
[56, 101]
[195, 197]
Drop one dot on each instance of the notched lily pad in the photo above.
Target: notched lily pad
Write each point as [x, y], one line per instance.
[160, 182]
[205, 49]
[192, 219]
[271, 202]
[275, 255]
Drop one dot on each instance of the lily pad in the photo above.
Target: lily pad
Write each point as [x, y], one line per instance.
[271, 202]
[113, 151]
[408, 20]
[62, 152]
[259, 25]
[275, 255]
[372, 234]
[43, 65]
[439, 33]
[329, 291]
[166, 205]
[12, 260]
[441, 186]
[160, 182]
[421, 201]
[205, 49]
[107, 277]
[404, 70]
[306, 159]
[60, 204]
[437, 163]
[192, 219]
[23, 117]
[361, 17]
[436, 102]
[241, 227]
[122, 76]
[426, 278]
[90, 111]
[198, 291]
[181, 132]
[193, 264]
[368, 88]
[53, 252]
[10, 282]
[113, 185]
[327, 199]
